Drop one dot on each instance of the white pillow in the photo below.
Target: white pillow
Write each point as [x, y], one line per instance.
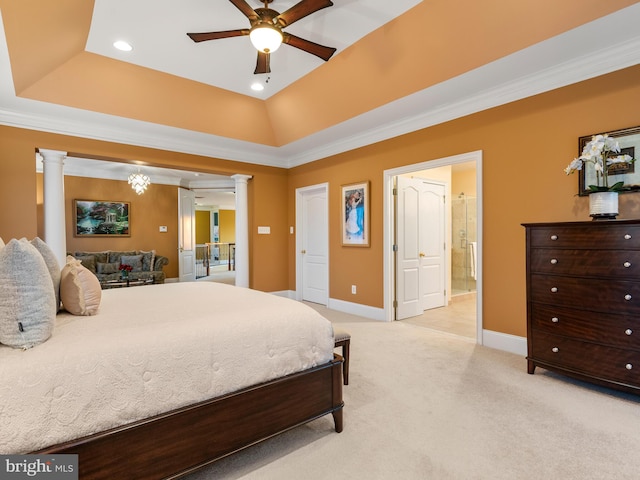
[51, 261]
[27, 300]
[80, 289]
[1, 243]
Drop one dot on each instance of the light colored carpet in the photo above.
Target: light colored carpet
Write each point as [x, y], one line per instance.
[423, 404]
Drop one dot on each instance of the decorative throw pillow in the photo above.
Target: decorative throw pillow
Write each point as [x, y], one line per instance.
[79, 289]
[102, 257]
[108, 267]
[115, 256]
[148, 260]
[88, 262]
[134, 260]
[51, 261]
[1, 243]
[27, 300]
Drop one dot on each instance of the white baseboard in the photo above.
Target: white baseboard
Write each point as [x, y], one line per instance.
[504, 341]
[357, 309]
[171, 280]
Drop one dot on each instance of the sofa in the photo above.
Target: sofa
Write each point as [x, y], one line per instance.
[106, 264]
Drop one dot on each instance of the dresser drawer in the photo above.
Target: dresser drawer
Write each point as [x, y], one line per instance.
[608, 329]
[591, 236]
[588, 263]
[608, 296]
[586, 358]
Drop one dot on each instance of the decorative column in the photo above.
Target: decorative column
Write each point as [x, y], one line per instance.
[242, 230]
[53, 203]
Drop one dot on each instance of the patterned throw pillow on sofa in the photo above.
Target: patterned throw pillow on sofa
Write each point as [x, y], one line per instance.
[27, 300]
[134, 260]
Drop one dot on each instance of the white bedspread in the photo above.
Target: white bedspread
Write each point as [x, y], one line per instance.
[150, 350]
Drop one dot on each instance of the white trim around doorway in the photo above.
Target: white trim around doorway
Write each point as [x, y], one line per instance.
[388, 230]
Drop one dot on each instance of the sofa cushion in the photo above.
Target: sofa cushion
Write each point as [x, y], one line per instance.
[27, 300]
[106, 268]
[102, 257]
[51, 261]
[115, 256]
[135, 261]
[148, 260]
[80, 289]
[88, 262]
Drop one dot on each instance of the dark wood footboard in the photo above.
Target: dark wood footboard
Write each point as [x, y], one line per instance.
[181, 441]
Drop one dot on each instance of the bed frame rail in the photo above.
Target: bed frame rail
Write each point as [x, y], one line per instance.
[181, 441]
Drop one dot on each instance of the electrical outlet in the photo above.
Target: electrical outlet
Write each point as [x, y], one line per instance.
[353, 289]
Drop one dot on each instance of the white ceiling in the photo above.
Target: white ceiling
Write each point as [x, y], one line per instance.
[157, 31]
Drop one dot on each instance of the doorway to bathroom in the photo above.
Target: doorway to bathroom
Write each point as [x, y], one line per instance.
[462, 312]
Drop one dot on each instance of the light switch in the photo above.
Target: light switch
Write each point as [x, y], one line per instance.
[264, 230]
[291, 230]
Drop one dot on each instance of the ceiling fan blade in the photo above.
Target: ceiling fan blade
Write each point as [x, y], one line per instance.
[316, 49]
[246, 9]
[201, 37]
[262, 66]
[301, 10]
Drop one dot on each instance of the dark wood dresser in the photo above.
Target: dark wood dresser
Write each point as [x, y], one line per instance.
[583, 300]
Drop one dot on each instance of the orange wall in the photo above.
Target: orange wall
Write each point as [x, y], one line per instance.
[227, 222]
[19, 194]
[203, 226]
[526, 145]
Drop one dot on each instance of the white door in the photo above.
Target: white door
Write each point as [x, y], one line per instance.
[421, 249]
[432, 245]
[186, 235]
[313, 245]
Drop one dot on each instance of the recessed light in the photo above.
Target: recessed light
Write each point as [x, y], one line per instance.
[122, 45]
[258, 87]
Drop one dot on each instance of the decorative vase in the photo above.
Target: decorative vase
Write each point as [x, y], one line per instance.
[124, 274]
[603, 205]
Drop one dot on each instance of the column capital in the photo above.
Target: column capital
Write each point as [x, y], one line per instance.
[47, 154]
[239, 178]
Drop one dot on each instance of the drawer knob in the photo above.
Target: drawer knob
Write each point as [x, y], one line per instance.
[554, 261]
[628, 331]
[554, 289]
[627, 297]
[627, 264]
[627, 237]
[554, 237]
[555, 320]
[628, 366]
[555, 349]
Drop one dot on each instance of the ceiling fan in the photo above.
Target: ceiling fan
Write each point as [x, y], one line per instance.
[266, 30]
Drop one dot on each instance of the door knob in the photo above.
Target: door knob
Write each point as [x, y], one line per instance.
[422, 254]
[303, 252]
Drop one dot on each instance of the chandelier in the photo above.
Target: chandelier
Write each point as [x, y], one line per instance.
[139, 182]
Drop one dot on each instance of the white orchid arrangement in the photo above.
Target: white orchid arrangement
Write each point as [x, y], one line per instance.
[603, 151]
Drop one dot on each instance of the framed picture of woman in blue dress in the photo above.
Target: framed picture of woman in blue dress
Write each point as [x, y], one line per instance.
[355, 214]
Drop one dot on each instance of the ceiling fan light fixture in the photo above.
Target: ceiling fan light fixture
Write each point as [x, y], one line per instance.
[265, 37]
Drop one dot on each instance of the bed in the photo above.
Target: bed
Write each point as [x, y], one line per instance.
[168, 378]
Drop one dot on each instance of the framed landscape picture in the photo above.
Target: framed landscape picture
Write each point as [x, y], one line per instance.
[355, 214]
[95, 218]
